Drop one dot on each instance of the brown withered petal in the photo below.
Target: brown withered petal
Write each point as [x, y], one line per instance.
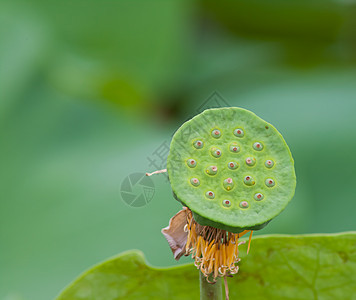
[175, 234]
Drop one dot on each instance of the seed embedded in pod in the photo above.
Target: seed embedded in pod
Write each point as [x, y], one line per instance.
[228, 184]
[227, 203]
[239, 132]
[211, 170]
[249, 180]
[244, 204]
[250, 161]
[258, 196]
[257, 146]
[216, 133]
[191, 163]
[233, 165]
[195, 181]
[215, 152]
[234, 147]
[269, 182]
[210, 194]
[269, 163]
[198, 144]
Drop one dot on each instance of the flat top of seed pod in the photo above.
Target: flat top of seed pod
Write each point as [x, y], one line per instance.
[231, 168]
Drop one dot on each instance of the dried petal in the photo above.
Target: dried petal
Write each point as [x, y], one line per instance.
[175, 234]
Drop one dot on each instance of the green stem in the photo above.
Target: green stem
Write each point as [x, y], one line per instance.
[209, 291]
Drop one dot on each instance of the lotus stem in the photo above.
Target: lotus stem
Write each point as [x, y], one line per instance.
[210, 291]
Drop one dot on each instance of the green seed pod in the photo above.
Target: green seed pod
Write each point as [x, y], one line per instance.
[231, 190]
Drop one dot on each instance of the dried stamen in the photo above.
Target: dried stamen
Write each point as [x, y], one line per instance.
[215, 251]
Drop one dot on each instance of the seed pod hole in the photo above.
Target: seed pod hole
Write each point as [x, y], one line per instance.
[195, 181]
[257, 146]
[228, 184]
[226, 203]
[249, 180]
[210, 194]
[191, 163]
[234, 147]
[216, 133]
[215, 152]
[269, 163]
[244, 204]
[211, 170]
[239, 132]
[233, 165]
[250, 161]
[269, 182]
[198, 144]
[258, 196]
[224, 129]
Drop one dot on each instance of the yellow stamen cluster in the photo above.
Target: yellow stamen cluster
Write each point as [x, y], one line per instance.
[215, 251]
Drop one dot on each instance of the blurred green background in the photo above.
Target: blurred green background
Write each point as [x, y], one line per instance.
[89, 90]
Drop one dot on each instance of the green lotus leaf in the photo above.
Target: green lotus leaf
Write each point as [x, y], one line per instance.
[278, 267]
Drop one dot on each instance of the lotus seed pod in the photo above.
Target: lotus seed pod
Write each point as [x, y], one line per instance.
[249, 187]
